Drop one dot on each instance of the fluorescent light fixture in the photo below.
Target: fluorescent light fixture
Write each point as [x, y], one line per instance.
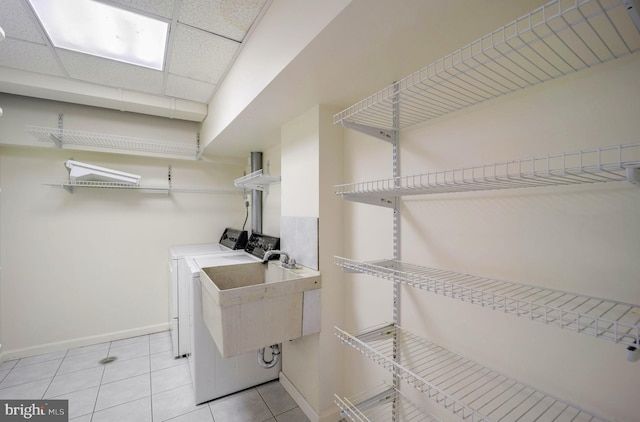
[95, 28]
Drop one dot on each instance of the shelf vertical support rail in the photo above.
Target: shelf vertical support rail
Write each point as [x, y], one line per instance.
[58, 139]
[396, 234]
[199, 149]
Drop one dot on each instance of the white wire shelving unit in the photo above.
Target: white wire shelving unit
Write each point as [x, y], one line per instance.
[256, 180]
[76, 139]
[71, 186]
[379, 404]
[561, 37]
[597, 165]
[606, 319]
[465, 388]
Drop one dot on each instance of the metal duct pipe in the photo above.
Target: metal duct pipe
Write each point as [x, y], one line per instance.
[256, 196]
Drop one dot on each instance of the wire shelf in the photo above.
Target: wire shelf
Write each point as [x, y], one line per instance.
[70, 186]
[380, 405]
[65, 138]
[598, 165]
[256, 180]
[602, 318]
[561, 37]
[468, 389]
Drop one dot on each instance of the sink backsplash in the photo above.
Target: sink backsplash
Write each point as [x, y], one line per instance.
[299, 238]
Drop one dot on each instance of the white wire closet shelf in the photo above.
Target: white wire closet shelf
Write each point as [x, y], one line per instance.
[602, 318]
[256, 180]
[70, 139]
[561, 37]
[70, 186]
[597, 165]
[379, 405]
[465, 388]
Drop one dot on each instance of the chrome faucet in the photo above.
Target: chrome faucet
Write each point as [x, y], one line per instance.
[284, 258]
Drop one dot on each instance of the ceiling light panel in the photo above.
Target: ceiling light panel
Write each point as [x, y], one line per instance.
[98, 29]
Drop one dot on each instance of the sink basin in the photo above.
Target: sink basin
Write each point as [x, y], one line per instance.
[253, 305]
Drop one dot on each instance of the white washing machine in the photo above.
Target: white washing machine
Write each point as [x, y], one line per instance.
[230, 240]
[214, 376]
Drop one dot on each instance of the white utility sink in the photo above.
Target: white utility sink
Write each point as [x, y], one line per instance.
[254, 305]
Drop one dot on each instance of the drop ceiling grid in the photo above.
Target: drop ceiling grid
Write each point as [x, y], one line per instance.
[188, 89]
[200, 55]
[205, 37]
[221, 17]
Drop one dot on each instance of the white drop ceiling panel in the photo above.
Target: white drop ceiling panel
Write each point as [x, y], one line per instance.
[110, 72]
[204, 37]
[200, 55]
[186, 88]
[162, 8]
[18, 22]
[228, 19]
[29, 57]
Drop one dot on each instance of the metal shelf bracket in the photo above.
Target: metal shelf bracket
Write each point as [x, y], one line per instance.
[379, 133]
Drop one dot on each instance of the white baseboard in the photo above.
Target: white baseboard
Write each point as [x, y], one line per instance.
[302, 403]
[329, 415]
[79, 342]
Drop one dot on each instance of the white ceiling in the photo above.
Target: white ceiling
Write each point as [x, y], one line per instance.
[205, 37]
[367, 46]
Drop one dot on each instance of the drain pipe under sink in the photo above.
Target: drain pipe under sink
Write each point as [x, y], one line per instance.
[275, 357]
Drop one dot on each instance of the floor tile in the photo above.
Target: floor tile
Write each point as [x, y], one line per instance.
[201, 415]
[130, 351]
[41, 358]
[8, 364]
[83, 418]
[293, 415]
[119, 370]
[145, 383]
[241, 407]
[160, 334]
[82, 361]
[133, 411]
[123, 391]
[160, 344]
[28, 390]
[80, 402]
[100, 347]
[74, 381]
[29, 373]
[165, 360]
[170, 378]
[131, 340]
[276, 397]
[172, 403]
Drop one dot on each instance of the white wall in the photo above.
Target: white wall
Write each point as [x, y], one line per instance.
[311, 165]
[91, 266]
[584, 239]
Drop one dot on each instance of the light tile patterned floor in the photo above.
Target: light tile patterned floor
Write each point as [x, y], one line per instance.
[144, 384]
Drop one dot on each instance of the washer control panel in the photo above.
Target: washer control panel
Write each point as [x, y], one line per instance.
[259, 244]
[233, 238]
